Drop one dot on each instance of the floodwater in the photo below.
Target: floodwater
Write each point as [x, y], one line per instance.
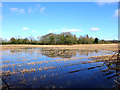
[55, 68]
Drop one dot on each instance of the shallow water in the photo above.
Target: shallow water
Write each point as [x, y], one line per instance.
[48, 68]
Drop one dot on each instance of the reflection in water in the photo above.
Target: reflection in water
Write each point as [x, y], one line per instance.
[68, 53]
[59, 53]
[47, 72]
[85, 69]
[65, 53]
[110, 69]
[62, 53]
[113, 71]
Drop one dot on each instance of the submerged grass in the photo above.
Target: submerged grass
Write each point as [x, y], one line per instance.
[24, 65]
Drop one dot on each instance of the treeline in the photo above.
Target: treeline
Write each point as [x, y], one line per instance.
[65, 38]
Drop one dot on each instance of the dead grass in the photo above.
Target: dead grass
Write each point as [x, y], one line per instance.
[111, 47]
[97, 59]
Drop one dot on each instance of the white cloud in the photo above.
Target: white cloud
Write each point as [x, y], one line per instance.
[104, 2]
[33, 30]
[14, 9]
[65, 30]
[29, 10]
[42, 9]
[94, 29]
[117, 13]
[71, 30]
[53, 31]
[0, 4]
[25, 29]
[36, 8]
[21, 10]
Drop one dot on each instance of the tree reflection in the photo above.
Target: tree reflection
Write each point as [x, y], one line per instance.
[62, 53]
[65, 53]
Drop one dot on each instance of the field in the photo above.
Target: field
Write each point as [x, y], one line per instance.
[60, 66]
[111, 47]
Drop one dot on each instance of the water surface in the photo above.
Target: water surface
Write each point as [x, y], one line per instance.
[49, 68]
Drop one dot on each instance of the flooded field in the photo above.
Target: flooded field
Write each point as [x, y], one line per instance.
[59, 68]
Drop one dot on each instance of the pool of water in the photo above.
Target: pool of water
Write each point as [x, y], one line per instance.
[49, 68]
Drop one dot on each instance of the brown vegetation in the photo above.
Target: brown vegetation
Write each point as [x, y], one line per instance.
[111, 47]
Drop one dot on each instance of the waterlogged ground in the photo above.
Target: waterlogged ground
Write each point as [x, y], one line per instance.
[57, 68]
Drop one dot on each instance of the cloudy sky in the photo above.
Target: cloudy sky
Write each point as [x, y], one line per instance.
[27, 19]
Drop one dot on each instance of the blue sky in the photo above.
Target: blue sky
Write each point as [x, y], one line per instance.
[35, 19]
